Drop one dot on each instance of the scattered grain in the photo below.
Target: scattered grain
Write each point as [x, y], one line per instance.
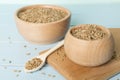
[15, 70]
[41, 15]
[17, 75]
[25, 46]
[43, 73]
[53, 75]
[49, 75]
[9, 38]
[3, 59]
[35, 48]
[10, 61]
[116, 55]
[28, 53]
[5, 67]
[88, 32]
[31, 64]
[19, 71]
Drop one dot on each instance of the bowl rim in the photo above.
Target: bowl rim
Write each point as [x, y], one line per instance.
[100, 26]
[44, 5]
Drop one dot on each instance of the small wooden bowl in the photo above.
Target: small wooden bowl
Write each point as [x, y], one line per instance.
[43, 33]
[89, 53]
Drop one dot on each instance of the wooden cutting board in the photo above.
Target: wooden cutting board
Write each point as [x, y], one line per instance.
[72, 71]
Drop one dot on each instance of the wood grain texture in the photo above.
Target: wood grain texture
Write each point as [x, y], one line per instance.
[89, 52]
[42, 33]
[72, 71]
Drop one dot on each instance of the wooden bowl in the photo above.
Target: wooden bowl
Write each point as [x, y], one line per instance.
[89, 53]
[43, 33]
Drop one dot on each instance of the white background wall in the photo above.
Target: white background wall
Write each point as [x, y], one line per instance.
[103, 12]
[59, 1]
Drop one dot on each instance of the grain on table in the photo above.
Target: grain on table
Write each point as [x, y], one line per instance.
[35, 48]
[15, 70]
[28, 53]
[17, 75]
[25, 46]
[3, 59]
[10, 61]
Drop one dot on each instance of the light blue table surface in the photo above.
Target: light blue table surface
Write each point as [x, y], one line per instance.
[12, 43]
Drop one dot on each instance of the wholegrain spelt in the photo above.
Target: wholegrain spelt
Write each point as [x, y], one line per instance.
[41, 15]
[31, 64]
[88, 32]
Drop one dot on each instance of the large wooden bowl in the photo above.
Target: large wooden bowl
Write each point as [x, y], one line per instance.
[89, 53]
[43, 33]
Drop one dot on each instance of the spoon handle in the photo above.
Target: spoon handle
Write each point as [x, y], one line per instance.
[54, 48]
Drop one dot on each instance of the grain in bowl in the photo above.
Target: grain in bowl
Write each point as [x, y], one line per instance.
[41, 15]
[88, 32]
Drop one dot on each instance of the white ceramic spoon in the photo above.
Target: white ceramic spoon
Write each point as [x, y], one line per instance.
[44, 56]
